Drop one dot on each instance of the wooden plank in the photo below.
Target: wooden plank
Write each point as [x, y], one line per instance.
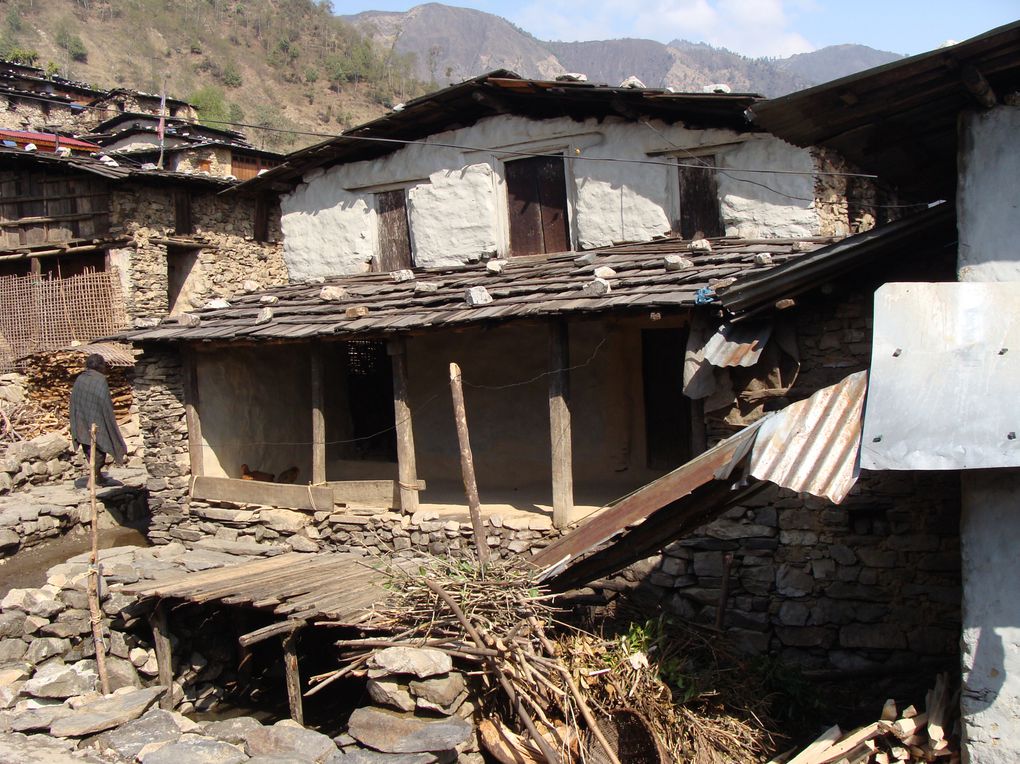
[318, 417]
[560, 433]
[394, 234]
[524, 208]
[825, 741]
[552, 193]
[196, 449]
[699, 199]
[407, 471]
[315, 498]
[385, 493]
[164, 655]
[293, 674]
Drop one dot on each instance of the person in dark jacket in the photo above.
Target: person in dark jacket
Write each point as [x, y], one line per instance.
[91, 404]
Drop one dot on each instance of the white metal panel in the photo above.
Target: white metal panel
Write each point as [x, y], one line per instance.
[945, 377]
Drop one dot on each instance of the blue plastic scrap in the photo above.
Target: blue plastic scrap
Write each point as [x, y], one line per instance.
[704, 296]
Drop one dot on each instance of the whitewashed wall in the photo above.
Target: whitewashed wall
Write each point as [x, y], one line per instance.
[457, 199]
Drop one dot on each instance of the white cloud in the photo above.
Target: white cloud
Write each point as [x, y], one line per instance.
[750, 27]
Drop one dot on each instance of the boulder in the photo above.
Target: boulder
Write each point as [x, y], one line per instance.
[154, 726]
[233, 731]
[388, 693]
[36, 719]
[440, 693]
[50, 445]
[60, 681]
[422, 662]
[106, 713]
[39, 749]
[12, 650]
[194, 749]
[46, 647]
[392, 732]
[122, 673]
[284, 738]
[366, 756]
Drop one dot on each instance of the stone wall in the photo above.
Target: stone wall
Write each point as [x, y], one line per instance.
[845, 204]
[223, 231]
[874, 582]
[18, 114]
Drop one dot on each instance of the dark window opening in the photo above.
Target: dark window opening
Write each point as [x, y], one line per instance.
[182, 213]
[394, 231]
[370, 397]
[537, 194]
[181, 262]
[261, 219]
[64, 267]
[667, 410]
[15, 268]
[700, 216]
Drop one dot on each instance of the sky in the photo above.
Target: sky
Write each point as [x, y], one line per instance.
[750, 27]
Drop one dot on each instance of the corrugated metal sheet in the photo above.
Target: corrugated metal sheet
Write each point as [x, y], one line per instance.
[945, 378]
[811, 446]
[737, 345]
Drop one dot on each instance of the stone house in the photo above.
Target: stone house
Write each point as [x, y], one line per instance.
[427, 246]
[944, 125]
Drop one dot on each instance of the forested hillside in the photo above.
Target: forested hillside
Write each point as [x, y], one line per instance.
[285, 64]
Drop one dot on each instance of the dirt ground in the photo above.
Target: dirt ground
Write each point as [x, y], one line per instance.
[28, 567]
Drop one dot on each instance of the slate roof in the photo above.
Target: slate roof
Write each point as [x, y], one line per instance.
[527, 288]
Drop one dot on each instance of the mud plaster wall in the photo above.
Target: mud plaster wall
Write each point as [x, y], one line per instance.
[510, 426]
[871, 583]
[224, 230]
[457, 198]
[255, 407]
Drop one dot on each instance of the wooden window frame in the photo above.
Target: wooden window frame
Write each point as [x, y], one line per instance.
[184, 223]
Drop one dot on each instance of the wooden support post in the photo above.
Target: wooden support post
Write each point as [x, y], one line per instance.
[290, 665]
[559, 423]
[164, 655]
[407, 472]
[95, 612]
[318, 419]
[195, 450]
[467, 465]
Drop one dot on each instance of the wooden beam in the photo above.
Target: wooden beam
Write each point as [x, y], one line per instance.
[560, 433]
[407, 471]
[195, 448]
[315, 498]
[280, 628]
[318, 418]
[467, 465]
[978, 86]
[164, 655]
[290, 665]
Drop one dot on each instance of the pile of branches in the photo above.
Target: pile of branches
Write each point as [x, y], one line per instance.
[51, 376]
[549, 692]
[26, 420]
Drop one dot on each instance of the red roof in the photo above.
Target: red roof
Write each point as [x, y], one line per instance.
[47, 140]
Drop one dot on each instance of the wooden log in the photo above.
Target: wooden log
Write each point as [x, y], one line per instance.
[290, 665]
[847, 745]
[318, 418]
[407, 471]
[822, 743]
[195, 447]
[467, 464]
[164, 655]
[95, 612]
[724, 591]
[383, 493]
[268, 632]
[560, 432]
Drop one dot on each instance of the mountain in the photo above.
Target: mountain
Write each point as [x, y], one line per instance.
[449, 44]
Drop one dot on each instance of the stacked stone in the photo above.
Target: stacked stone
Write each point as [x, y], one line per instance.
[421, 708]
[44, 512]
[44, 459]
[212, 525]
[160, 400]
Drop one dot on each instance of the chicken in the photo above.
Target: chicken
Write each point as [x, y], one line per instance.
[247, 474]
[288, 476]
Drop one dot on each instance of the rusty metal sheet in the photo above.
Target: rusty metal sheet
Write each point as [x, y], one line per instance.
[945, 371]
[737, 344]
[811, 446]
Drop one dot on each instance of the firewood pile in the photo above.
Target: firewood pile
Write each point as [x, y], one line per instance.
[549, 692]
[51, 376]
[898, 736]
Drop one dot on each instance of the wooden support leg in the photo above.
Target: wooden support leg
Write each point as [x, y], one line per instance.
[467, 465]
[164, 655]
[318, 419]
[407, 471]
[559, 423]
[290, 665]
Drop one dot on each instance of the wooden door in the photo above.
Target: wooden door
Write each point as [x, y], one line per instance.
[699, 199]
[537, 194]
[394, 233]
